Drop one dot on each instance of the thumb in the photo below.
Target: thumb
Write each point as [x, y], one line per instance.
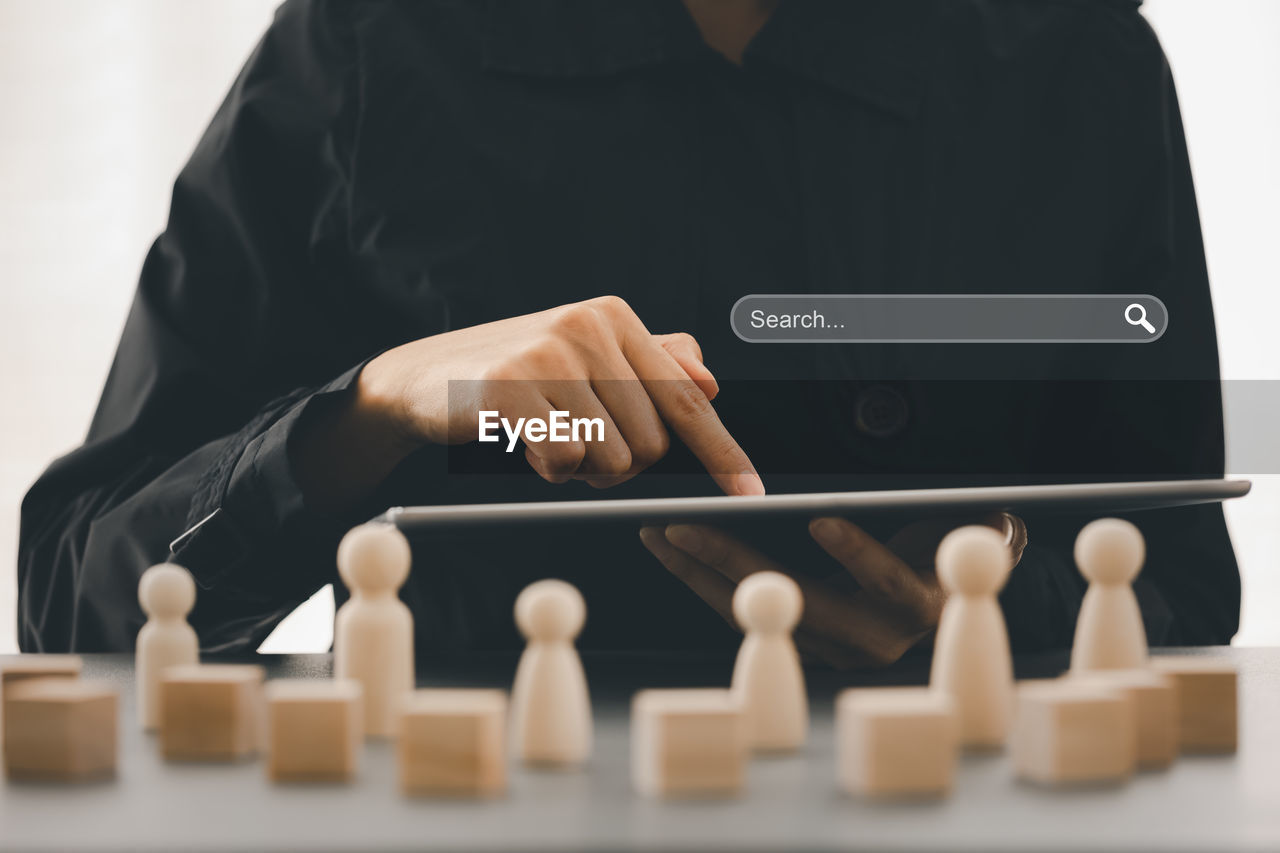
[685, 350]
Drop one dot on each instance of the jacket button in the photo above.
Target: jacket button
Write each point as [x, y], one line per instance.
[880, 411]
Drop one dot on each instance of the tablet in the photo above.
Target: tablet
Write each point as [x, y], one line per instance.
[1095, 498]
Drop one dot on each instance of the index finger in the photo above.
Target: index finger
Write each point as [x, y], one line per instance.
[686, 409]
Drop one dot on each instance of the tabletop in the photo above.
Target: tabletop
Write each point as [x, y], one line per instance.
[790, 803]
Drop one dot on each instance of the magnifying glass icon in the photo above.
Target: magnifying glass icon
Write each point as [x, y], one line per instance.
[1136, 315]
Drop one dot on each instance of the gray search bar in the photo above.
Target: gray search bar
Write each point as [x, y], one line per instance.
[949, 319]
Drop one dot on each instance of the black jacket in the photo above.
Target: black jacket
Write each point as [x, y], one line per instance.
[382, 171]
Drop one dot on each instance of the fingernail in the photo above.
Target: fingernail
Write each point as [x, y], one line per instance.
[651, 536]
[1007, 522]
[684, 537]
[749, 483]
[828, 531]
[715, 386]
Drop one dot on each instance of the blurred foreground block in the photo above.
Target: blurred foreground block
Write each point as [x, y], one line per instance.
[1067, 732]
[27, 667]
[1154, 699]
[60, 729]
[453, 742]
[1207, 700]
[314, 730]
[896, 741]
[687, 743]
[211, 712]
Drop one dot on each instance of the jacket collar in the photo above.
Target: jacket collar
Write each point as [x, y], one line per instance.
[873, 50]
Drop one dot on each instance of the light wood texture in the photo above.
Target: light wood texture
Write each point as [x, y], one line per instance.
[373, 631]
[768, 680]
[61, 730]
[550, 705]
[971, 658]
[1207, 698]
[34, 666]
[453, 743]
[167, 593]
[1073, 733]
[314, 730]
[896, 741]
[1109, 630]
[1154, 699]
[211, 712]
[688, 743]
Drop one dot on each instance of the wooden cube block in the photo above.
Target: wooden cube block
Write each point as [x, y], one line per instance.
[26, 667]
[39, 666]
[896, 741]
[1070, 733]
[61, 729]
[687, 743]
[1155, 708]
[211, 712]
[314, 730]
[452, 742]
[1206, 689]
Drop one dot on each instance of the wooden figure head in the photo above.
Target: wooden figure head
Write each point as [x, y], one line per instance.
[550, 610]
[973, 560]
[374, 558]
[768, 602]
[167, 591]
[1110, 551]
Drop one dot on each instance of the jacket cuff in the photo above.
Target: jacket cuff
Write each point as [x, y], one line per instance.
[252, 500]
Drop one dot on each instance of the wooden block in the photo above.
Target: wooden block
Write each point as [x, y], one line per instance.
[453, 742]
[896, 741]
[61, 729]
[211, 712]
[1155, 708]
[1071, 733]
[1206, 690]
[39, 666]
[315, 730]
[26, 667]
[687, 743]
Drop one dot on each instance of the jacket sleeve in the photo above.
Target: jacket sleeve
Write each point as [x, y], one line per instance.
[228, 344]
[1158, 413]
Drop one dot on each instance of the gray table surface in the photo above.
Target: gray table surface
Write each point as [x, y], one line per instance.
[792, 803]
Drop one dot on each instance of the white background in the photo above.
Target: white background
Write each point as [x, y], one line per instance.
[101, 102]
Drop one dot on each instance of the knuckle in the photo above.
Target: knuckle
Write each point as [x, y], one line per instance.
[689, 403]
[610, 304]
[649, 449]
[541, 469]
[579, 322]
[616, 461]
[563, 457]
[507, 370]
[684, 340]
[549, 358]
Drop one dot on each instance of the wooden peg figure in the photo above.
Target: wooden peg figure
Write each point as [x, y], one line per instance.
[768, 681]
[167, 593]
[1109, 631]
[971, 658]
[550, 705]
[373, 632]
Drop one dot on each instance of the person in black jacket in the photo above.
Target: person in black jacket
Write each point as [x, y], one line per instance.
[397, 196]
